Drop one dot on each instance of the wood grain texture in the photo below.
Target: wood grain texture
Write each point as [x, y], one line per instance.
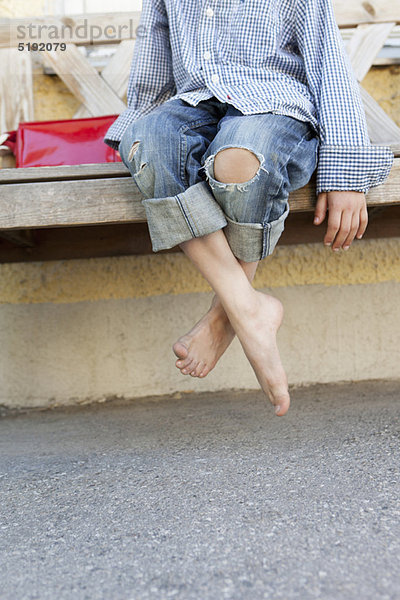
[362, 49]
[113, 27]
[16, 96]
[117, 200]
[90, 171]
[101, 28]
[381, 128]
[115, 73]
[75, 202]
[365, 45]
[84, 82]
[128, 239]
[350, 13]
[96, 170]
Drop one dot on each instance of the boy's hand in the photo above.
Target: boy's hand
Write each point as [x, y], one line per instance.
[347, 217]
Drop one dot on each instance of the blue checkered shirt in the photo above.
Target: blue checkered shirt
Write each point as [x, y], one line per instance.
[280, 56]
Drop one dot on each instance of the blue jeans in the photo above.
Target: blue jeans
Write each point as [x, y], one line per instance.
[170, 154]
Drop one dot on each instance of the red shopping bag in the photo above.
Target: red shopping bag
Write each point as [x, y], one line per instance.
[66, 142]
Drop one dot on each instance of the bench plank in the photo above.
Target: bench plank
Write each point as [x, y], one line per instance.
[21, 238]
[68, 203]
[117, 200]
[64, 172]
[90, 171]
[133, 238]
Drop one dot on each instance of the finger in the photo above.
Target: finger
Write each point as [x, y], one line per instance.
[333, 225]
[321, 208]
[344, 230]
[363, 222]
[355, 222]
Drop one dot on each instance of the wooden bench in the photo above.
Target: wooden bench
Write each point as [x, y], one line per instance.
[96, 210]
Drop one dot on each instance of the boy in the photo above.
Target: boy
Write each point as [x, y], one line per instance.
[232, 104]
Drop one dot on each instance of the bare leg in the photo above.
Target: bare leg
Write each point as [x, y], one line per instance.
[199, 350]
[255, 317]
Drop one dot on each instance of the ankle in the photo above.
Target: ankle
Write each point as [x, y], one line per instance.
[216, 312]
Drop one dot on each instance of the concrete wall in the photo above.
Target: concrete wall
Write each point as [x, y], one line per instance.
[87, 330]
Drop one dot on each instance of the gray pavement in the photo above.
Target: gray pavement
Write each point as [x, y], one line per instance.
[206, 496]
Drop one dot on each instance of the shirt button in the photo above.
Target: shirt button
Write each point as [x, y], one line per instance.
[209, 12]
[215, 78]
[207, 54]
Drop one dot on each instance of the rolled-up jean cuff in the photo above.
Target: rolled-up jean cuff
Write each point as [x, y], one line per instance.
[176, 219]
[254, 241]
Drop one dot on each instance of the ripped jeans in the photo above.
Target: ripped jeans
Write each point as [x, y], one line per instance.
[170, 154]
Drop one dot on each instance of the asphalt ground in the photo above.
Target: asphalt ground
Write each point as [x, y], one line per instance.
[204, 496]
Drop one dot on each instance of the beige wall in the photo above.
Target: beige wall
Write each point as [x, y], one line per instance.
[72, 281]
[53, 354]
[86, 330]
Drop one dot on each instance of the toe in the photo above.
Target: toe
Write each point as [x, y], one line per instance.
[205, 371]
[180, 350]
[195, 370]
[189, 362]
[198, 370]
[182, 362]
[281, 405]
[188, 368]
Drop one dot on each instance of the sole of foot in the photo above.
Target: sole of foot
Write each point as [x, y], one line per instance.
[257, 328]
[199, 350]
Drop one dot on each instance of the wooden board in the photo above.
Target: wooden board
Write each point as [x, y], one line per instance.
[104, 28]
[365, 45]
[112, 27]
[117, 200]
[362, 49]
[128, 239]
[350, 13]
[16, 98]
[84, 82]
[91, 171]
[381, 128]
[115, 74]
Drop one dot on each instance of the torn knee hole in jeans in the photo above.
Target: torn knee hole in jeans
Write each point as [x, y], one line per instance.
[241, 187]
[132, 151]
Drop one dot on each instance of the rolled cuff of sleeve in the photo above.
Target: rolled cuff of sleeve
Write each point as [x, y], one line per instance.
[355, 168]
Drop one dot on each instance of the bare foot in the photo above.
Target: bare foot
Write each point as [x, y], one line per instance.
[199, 350]
[256, 329]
